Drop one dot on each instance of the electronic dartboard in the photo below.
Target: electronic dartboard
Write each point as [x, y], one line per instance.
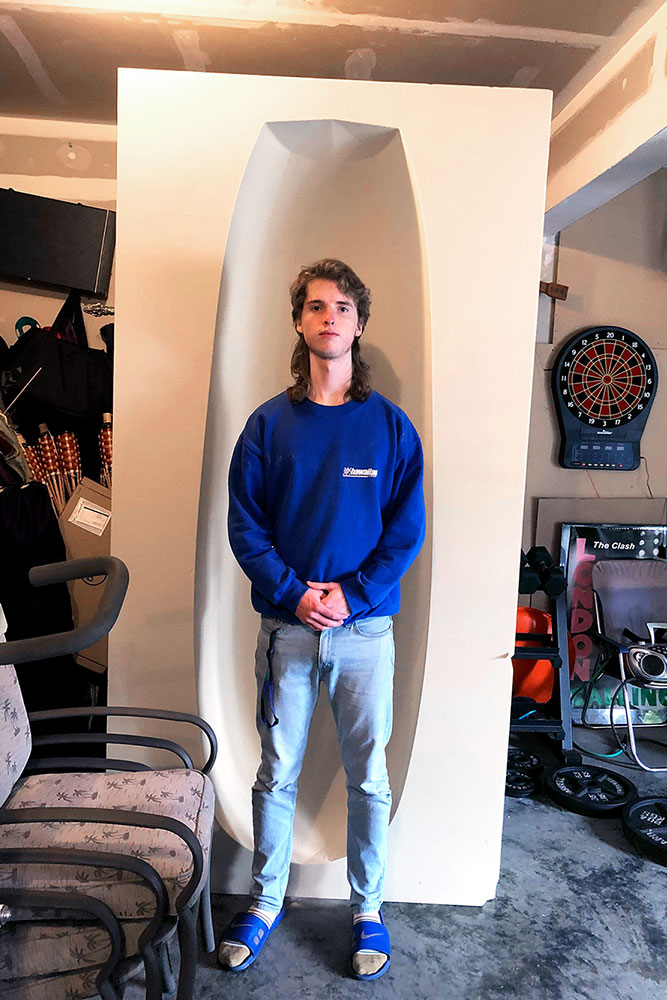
[604, 382]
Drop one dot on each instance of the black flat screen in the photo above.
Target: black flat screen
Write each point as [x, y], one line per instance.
[56, 243]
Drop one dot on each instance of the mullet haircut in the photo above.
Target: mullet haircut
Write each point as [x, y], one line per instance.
[351, 285]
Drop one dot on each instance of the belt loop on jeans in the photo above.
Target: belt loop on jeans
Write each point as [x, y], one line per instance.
[267, 687]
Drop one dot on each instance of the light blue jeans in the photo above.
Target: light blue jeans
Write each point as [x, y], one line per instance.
[355, 664]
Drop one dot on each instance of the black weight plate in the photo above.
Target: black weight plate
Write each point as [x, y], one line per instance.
[522, 760]
[589, 790]
[645, 826]
[519, 785]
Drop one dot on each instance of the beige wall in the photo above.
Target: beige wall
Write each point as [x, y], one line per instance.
[36, 158]
[614, 263]
[622, 107]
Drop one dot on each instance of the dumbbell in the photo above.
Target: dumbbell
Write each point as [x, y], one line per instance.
[551, 576]
[529, 578]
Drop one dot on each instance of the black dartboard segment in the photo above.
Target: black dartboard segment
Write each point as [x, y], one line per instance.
[604, 382]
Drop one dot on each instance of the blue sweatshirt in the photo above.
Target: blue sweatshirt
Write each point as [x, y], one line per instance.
[326, 493]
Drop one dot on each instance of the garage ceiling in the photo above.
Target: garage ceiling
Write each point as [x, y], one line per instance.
[59, 60]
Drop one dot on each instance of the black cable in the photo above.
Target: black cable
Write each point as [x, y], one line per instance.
[587, 698]
[619, 741]
[584, 725]
[601, 756]
[597, 672]
[642, 458]
[623, 746]
[629, 764]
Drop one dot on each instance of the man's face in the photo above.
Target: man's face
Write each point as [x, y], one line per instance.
[329, 320]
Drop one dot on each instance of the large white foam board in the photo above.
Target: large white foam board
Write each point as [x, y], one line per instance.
[436, 195]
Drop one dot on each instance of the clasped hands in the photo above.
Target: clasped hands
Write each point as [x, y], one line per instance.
[322, 606]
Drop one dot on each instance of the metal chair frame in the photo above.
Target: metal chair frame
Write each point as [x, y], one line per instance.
[616, 652]
[194, 900]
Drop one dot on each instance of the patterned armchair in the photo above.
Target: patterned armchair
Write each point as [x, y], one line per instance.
[101, 866]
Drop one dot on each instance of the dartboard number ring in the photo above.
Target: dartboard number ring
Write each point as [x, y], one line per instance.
[607, 378]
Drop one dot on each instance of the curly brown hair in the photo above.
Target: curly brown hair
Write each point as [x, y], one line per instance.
[351, 285]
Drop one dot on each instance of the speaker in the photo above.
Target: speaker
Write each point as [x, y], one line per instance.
[647, 663]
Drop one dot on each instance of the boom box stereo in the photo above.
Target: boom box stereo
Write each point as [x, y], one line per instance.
[647, 663]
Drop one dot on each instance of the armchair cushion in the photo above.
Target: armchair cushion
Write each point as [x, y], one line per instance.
[68, 986]
[184, 795]
[49, 949]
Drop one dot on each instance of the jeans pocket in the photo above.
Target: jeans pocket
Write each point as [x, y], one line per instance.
[276, 625]
[373, 628]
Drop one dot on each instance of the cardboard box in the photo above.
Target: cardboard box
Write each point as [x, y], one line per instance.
[85, 527]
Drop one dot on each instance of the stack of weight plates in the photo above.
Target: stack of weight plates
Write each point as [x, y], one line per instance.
[523, 773]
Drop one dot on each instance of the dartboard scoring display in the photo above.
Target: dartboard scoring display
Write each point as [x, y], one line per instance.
[604, 383]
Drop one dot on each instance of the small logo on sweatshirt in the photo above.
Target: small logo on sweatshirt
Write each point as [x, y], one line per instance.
[350, 473]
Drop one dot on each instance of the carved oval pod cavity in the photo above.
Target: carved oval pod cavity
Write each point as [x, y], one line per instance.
[311, 189]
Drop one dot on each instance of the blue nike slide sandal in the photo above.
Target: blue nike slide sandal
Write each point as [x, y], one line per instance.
[249, 930]
[371, 936]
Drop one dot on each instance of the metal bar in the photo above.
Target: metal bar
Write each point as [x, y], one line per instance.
[59, 643]
[135, 713]
[206, 917]
[87, 763]
[564, 670]
[536, 653]
[538, 726]
[633, 754]
[129, 739]
[44, 899]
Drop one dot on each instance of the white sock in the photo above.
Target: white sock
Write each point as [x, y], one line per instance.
[268, 916]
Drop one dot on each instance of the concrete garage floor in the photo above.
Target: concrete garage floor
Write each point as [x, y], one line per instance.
[579, 915]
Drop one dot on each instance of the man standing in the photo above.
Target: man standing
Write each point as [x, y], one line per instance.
[326, 513]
